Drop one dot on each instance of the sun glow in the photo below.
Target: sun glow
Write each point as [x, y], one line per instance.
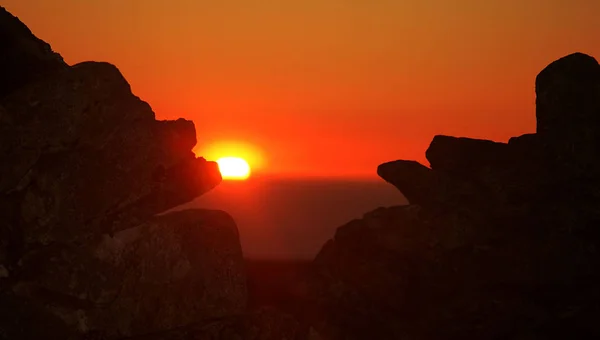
[237, 160]
[233, 168]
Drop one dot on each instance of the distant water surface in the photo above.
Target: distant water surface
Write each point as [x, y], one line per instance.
[292, 218]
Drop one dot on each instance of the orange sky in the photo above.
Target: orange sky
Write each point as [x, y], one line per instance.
[327, 87]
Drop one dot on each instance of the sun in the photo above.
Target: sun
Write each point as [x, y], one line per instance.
[233, 168]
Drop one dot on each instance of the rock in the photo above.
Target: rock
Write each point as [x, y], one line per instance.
[262, 324]
[24, 57]
[179, 268]
[422, 186]
[568, 95]
[465, 156]
[508, 172]
[500, 240]
[85, 172]
[28, 319]
[568, 113]
[398, 271]
[84, 157]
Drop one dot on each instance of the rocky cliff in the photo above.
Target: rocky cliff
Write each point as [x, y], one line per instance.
[85, 171]
[499, 241]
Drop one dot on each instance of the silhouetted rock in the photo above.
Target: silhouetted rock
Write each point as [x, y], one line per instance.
[499, 240]
[261, 324]
[81, 153]
[568, 113]
[567, 95]
[85, 171]
[469, 156]
[177, 269]
[420, 185]
[28, 319]
[24, 57]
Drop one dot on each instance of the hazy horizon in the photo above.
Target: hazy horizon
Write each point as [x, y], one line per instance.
[291, 218]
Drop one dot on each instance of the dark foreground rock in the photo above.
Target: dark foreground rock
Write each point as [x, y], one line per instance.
[500, 240]
[85, 172]
[261, 324]
[24, 57]
[174, 270]
[84, 156]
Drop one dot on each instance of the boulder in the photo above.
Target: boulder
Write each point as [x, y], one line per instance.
[423, 186]
[568, 95]
[465, 157]
[177, 269]
[513, 173]
[83, 156]
[398, 271]
[568, 113]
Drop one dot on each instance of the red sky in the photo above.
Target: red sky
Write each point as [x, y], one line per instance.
[326, 87]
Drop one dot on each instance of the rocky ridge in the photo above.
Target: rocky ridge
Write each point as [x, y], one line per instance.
[85, 172]
[499, 241]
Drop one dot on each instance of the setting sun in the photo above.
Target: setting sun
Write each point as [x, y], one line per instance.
[234, 168]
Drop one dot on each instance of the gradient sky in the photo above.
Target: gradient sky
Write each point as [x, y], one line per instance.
[326, 87]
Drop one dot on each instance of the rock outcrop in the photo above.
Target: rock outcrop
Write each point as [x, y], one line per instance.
[24, 57]
[177, 269]
[499, 241]
[85, 172]
[262, 324]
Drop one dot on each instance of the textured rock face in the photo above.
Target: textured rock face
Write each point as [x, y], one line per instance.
[499, 240]
[85, 169]
[262, 324]
[176, 269]
[84, 156]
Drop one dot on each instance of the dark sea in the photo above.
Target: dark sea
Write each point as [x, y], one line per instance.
[291, 219]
